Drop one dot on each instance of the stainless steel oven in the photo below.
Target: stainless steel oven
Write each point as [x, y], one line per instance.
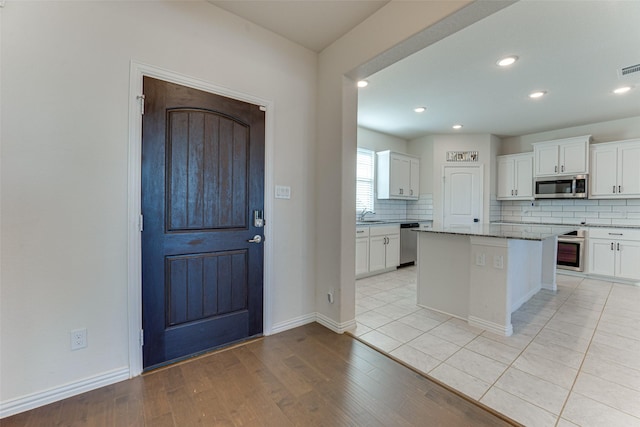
[571, 251]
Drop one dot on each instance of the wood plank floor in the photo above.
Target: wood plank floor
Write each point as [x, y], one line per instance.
[308, 376]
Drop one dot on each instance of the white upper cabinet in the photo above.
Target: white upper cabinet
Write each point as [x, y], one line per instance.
[515, 177]
[398, 176]
[615, 170]
[568, 156]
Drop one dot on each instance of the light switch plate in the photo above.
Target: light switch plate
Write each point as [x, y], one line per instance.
[283, 192]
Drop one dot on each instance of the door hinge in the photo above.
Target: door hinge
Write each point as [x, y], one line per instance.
[141, 98]
[141, 338]
[141, 223]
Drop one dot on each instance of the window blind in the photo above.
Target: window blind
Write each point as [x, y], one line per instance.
[364, 180]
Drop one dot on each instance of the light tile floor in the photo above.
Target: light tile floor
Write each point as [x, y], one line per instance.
[573, 359]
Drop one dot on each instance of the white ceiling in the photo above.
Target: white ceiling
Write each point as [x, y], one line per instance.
[571, 49]
[314, 24]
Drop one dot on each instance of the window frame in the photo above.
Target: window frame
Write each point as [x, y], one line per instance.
[366, 182]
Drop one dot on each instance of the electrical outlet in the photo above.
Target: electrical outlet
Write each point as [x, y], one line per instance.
[78, 339]
[480, 259]
[498, 261]
[330, 296]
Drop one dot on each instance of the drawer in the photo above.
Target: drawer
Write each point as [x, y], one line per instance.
[614, 233]
[362, 231]
[384, 230]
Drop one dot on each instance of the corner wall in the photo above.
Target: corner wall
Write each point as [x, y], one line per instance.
[397, 30]
[64, 165]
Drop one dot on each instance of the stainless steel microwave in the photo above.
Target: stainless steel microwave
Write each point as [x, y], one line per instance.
[561, 187]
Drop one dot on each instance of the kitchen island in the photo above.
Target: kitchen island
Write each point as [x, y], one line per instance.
[484, 272]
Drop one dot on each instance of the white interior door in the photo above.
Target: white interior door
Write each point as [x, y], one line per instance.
[462, 195]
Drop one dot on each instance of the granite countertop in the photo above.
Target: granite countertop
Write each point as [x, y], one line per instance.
[391, 221]
[504, 231]
[586, 225]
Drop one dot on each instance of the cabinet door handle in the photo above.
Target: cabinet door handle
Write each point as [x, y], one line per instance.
[516, 191]
[616, 234]
[614, 189]
[618, 246]
[619, 188]
[611, 245]
[555, 169]
[562, 168]
[411, 192]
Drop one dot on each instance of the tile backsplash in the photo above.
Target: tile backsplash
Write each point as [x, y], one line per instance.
[422, 208]
[392, 210]
[596, 212]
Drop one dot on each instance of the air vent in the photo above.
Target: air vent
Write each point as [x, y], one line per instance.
[629, 70]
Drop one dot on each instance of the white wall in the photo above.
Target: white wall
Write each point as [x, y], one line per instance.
[64, 105]
[390, 34]
[435, 147]
[614, 130]
[378, 141]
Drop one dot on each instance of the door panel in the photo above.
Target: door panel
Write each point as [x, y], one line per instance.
[629, 172]
[205, 175]
[202, 178]
[462, 195]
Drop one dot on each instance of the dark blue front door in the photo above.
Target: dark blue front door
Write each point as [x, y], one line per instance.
[202, 180]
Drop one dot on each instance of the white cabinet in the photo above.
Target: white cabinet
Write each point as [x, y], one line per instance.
[614, 252]
[515, 176]
[398, 176]
[568, 156]
[377, 249]
[362, 250]
[615, 170]
[384, 247]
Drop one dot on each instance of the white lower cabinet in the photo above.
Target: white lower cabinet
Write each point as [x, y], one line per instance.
[384, 247]
[362, 250]
[377, 249]
[615, 253]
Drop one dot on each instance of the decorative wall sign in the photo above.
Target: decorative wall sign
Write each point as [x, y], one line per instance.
[462, 156]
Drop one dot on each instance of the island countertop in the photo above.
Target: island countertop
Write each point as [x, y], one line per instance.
[503, 231]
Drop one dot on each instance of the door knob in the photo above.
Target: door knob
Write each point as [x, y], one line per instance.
[256, 239]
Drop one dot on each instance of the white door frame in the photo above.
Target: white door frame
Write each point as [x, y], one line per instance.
[134, 251]
[480, 167]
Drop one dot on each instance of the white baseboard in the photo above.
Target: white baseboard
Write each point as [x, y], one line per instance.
[336, 327]
[497, 329]
[293, 323]
[525, 298]
[31, 401]
[35, 400]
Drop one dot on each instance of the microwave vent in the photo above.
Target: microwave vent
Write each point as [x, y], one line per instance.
[631, 69]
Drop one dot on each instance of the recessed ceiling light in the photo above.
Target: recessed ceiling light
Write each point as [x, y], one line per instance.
[621, 90]
[457, 126]
[538, 94]
[363, 83]
[420, 109]
[505, 62]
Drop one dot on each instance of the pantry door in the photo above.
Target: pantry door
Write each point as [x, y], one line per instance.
[462, 191]
[202, 256]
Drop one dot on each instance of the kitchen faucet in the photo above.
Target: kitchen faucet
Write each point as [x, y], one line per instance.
[364, 213]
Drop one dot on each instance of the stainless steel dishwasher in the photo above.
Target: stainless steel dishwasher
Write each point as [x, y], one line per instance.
[408, 243]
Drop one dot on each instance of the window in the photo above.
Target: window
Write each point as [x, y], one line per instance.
[364, 180]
